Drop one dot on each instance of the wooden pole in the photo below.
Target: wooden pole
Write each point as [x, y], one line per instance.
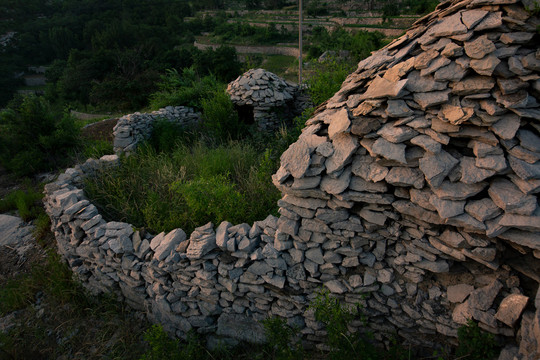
[300, 43]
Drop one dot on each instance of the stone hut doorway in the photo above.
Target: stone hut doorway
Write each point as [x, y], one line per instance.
[245, 114]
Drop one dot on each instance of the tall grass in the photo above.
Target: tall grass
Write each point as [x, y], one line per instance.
[186, 188]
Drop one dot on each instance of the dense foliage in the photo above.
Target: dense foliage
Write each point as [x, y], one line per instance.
[33, 137]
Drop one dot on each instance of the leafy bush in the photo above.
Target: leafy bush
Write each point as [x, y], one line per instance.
[279, 336]
[474, 343]
[33, 138]
[163, 191]
[220, 118]
[326, 78]
[359, 44]
[97, 148]
[186, 89]
[343, 344]
[27, 203]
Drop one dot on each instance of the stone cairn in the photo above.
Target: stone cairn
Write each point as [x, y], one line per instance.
[134, 128]
[272, 98]
[413, 191]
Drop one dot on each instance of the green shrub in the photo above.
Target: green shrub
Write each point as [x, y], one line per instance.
[186, 89]
[336, 318]
[162, 347]
[475, 344]
[220, 118]
[33, 138]
[97, 148]
[213, 199]
[186, 188]
[326, 79]
[27, 203]
[279, 336]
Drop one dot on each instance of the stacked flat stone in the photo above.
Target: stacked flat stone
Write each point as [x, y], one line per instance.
[266, 93]
[428, 157]
[413, 191]
[134, 128]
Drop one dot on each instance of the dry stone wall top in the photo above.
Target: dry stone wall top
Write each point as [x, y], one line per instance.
[413, 191]
[131, 129]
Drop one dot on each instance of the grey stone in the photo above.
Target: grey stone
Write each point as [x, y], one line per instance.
[486, 65]
[439, 266]
[315, 255]
[479, 47]
[381, 87]
[390, 150]
[359, 184]
[396, 134]
[398, 108]
[473, 85]
[447, 208]
[458, 293]
[418, 83]
[529, 140]
[449, 26]
[429, 99]
[483, 298]
[496, 163]
[523, 222]
[404, 176]
[168, 244]
[240, 327]
[471, 18]
[222, 234]
[296, 159]
[437, 166]
[457, 191]
[491, 21]
[516, 38]
[482, 210]
[339, 123]
[344, 147]
[336, 185]
[471, 174]
[506, 195]
[523, 169]
[507, 127]
[335, 287]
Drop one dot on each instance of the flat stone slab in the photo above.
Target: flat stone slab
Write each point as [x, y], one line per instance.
[13, 230]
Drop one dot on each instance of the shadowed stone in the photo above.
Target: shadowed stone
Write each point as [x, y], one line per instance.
[479, 47]
[506, 195]
[390, 150]
[344, 147]
[511, 308]
[437, 166]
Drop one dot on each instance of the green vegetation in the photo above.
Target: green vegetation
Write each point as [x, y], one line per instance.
[325, 79]
[360, 44]
[33, 138]
[475, 344]
[187, 187]
[281, 344]
[27, 203]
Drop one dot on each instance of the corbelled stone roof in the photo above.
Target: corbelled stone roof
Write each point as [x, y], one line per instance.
[260, 88]
[433, 143]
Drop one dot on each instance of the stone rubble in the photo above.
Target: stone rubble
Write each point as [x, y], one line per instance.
[413, 191]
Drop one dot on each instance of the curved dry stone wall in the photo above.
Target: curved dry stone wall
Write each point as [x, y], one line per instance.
[413, 191]
[134, 128]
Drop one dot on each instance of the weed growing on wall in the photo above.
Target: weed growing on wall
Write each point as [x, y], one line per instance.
[282, 340]
[336, 317]
[474, 343]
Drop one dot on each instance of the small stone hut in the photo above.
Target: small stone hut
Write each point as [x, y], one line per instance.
[263, 98]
